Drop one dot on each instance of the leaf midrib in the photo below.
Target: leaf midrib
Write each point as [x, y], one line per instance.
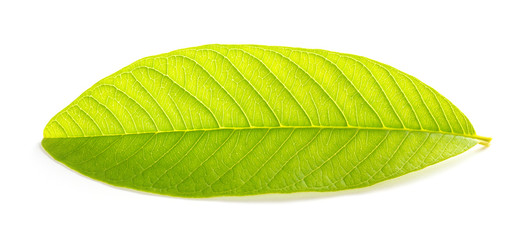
[481, 139]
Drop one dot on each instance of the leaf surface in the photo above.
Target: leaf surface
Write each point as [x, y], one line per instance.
[220, 120]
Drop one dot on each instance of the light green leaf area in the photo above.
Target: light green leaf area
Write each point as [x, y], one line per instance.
[220, 120]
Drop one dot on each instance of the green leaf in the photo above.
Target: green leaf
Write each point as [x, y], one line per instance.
[244, 119]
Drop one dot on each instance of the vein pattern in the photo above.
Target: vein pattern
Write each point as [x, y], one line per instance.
[245, 119]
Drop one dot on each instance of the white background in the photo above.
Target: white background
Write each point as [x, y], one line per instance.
[51, 51]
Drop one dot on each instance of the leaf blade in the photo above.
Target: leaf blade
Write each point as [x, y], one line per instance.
[243, 119]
